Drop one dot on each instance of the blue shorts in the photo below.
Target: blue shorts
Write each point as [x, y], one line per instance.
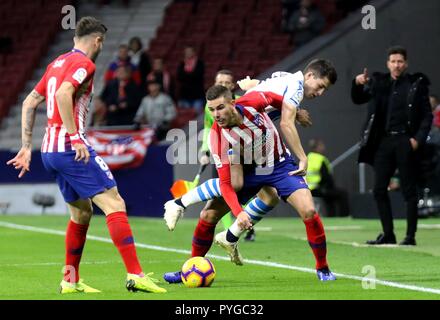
[76, 179]
[276, 177]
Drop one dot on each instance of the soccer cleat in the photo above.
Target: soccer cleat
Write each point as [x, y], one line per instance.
[325, 274]
[173, 212]
[230, 247]
[146, 284]
[173, 277]
[79, 287]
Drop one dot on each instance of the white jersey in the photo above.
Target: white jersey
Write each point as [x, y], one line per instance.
[290, 86]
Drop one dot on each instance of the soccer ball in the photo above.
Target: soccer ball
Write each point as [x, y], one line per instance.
[198, 272]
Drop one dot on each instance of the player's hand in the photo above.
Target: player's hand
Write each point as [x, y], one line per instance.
[244, 221]
[22, 161]
[363, 78]
[303, 118]
[204, 159]
[82, 153]
[302, 169]
[414, 144]
[247, 83]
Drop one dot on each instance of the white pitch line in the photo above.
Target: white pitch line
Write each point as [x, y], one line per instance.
[249, 261]
[45, 264]
[428, 226]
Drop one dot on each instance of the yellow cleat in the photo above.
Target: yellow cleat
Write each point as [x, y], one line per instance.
[146, 284]
[79, 287]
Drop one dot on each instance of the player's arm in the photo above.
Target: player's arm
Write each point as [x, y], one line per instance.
[22, 160]
[219, 150]
[64, 97]
[208, 120]
[287, 126]
[247, 83]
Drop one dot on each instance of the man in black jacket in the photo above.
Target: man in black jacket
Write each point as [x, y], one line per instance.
[398, 122]
[122, 97]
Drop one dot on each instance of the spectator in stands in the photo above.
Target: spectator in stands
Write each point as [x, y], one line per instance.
[99, 116]
[162, 76]
[123, 58]
[190, 75]
[306, 23]
[157, 110]
[139, 58]
[398, 121]
[321, 182]
[121, 97]
[288, 8]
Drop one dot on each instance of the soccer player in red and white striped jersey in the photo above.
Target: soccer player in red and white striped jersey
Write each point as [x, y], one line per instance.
[243, 127]
[83, 177]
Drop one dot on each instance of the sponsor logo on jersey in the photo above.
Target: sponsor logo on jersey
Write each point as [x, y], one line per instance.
[217, 161]
[80, 75]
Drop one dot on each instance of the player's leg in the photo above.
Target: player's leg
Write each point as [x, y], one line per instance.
[302, 201]
[113, 206]
[80, 214]
[210, 189]
[203, 233]
[80, 211]
[174, 209]
[257, 208]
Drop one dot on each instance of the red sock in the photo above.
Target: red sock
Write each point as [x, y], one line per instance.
[316, 236]
[122, 237]
[202, 239]
[75, 239]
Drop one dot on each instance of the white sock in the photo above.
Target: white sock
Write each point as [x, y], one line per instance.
[208, 190]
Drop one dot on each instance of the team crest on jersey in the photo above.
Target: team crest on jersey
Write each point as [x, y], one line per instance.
[258, 120]
[299, 94]
[80, 75]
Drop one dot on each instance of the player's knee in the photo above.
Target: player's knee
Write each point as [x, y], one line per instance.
[209, 216]
[114, 204]
[272, 202]
[237, 184]
[82, 216]
[308, 213]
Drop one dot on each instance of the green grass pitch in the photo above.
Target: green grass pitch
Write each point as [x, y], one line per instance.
[31, 261]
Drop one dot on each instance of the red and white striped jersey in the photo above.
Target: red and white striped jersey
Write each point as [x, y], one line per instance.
[74, 67]
[257, 140]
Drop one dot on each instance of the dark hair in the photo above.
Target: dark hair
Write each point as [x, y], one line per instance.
[216, 92]
[225, 72]
[123, 46]
[397, 50]
[323, 69]
[314, 143]
[89, 25]
[137, 40]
